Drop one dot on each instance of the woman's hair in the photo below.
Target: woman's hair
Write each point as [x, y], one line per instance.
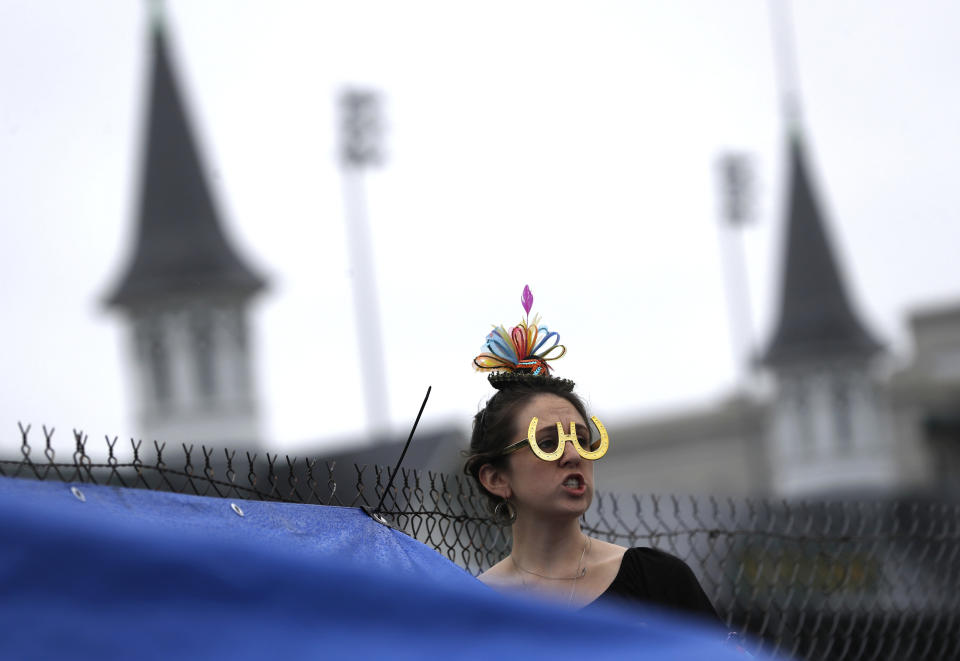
[494, 426]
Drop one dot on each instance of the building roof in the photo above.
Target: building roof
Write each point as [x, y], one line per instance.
[354, 469]
[816, 321]
[437, 450]
[180, 246]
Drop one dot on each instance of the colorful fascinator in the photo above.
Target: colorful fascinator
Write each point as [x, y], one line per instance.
[526, 349]
[520, 358]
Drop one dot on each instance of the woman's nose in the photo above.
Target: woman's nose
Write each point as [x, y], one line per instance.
[570, 454]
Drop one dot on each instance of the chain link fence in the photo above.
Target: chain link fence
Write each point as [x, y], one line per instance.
[812, 580]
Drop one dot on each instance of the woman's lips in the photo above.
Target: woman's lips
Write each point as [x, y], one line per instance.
[574, 484]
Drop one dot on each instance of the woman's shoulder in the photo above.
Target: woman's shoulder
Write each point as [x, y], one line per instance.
[659, 576]
[499, 575]
[605, 551]
[657, 567]
[648, 571]
[654, 558]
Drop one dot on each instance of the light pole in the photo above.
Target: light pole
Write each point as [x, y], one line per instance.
[736, 188]
[360, 147]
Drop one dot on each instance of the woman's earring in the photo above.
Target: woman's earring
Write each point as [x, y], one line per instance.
[504, 513]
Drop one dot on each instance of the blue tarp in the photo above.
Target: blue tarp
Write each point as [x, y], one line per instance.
[127, 573]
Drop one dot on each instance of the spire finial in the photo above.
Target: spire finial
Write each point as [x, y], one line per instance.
[156, 9]
[785, 55]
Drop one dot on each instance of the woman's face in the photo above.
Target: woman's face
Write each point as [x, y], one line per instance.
[549, 488]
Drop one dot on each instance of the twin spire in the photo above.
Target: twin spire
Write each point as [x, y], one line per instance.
[816, 320]
[180, 247]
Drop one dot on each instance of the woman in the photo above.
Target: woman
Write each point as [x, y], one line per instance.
[542, 489]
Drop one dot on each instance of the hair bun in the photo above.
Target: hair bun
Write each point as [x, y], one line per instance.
[505, 380]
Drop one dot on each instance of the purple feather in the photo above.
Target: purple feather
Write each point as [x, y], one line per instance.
[527, 299]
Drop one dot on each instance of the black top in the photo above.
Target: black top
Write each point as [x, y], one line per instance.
[650, 576]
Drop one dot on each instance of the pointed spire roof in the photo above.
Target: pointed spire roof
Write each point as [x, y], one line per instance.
[816, 321]
[180, 245]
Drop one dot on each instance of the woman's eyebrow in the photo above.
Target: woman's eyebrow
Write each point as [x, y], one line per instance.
[566, 428]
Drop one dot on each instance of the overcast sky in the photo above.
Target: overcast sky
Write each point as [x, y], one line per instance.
[570, 146]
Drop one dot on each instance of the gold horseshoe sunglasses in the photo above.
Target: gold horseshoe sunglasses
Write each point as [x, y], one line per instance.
[550, 448]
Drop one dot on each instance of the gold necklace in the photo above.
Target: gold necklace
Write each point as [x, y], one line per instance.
[580, 571]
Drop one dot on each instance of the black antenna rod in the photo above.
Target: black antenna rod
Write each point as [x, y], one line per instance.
[376, 510]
